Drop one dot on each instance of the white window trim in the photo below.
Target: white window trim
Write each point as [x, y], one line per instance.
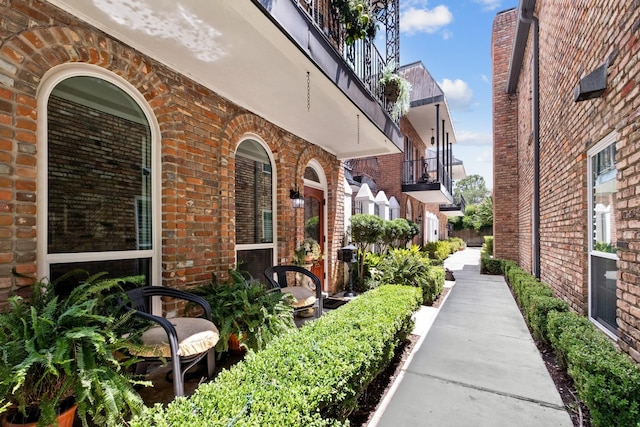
[274, 204]
[49, 81]
[609, 139]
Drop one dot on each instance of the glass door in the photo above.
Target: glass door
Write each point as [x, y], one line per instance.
[314, 224]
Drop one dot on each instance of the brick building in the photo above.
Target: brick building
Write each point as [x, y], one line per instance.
[164, 140]
[566, 154]
[420, 179]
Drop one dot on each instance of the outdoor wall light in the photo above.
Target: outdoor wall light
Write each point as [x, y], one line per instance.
[296, 198]
[433, 138]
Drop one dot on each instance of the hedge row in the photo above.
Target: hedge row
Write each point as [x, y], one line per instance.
[312, 377]
[607, 381]
[488, 264]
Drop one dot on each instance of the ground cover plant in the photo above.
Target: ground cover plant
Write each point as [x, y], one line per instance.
[309, 378]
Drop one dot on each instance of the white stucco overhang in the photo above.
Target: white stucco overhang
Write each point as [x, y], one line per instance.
[256, 54]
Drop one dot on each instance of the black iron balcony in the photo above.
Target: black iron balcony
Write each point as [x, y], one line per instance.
[427, 180]
[362, 57]
[456, 208]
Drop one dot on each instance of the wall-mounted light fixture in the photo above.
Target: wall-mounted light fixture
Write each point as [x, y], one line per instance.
[297, 200]
[433, 138]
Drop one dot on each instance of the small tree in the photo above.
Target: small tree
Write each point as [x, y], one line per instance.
[395, 234]
[483, 216]
[366, 229]
[472, 188]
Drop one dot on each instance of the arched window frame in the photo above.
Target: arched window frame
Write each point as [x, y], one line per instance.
[49, 82]
[274, 204]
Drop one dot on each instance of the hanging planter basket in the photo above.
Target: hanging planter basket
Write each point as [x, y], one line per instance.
[391, 91]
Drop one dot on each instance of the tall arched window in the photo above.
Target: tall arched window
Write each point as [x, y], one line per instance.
[98, 211]
[254, 202]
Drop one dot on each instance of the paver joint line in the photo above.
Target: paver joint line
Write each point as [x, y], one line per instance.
[500, 393]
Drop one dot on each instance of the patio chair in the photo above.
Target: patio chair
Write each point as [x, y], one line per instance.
[183, 340]
[307, 294]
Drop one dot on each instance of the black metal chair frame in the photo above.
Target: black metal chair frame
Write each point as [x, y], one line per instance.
[140, 302]
[282, 282]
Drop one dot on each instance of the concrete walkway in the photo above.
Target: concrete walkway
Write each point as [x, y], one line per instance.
[475, 363]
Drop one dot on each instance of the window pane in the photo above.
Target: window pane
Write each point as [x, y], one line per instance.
[604, 185]
[254, 194]
[255, 261]
[603, 292]
[99, 173]
[132, 270]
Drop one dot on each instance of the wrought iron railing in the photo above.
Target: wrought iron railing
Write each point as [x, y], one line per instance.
[426, 171]
[362, 56]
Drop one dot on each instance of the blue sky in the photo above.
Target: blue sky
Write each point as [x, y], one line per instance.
[452, 38]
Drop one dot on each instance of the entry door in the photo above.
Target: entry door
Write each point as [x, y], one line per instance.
[314, 224]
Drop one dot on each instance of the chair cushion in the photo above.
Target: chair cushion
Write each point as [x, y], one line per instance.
[303, 296]
[195, 335]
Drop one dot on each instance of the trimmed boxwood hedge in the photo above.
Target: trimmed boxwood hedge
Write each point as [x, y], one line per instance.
[607, 380]
[309, 378]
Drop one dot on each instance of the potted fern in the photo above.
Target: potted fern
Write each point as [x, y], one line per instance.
[59, 353]
[397, 90]
[244, 307]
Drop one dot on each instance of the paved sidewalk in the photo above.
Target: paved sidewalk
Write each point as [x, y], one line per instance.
[475, 363]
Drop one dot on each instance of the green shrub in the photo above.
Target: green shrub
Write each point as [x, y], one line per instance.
[607, 381]
[539, 308]
[488, 244]
[438, 250]
[455, 243]
[411, 267]
[309, 378]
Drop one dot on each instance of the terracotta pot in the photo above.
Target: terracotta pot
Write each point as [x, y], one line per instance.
[65, 419]
[234, 345]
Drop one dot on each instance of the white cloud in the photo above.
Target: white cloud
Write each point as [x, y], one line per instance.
[489, 4]
[446, 34]
[465, 137]
[458, 93]
[423, 20]
[484, 78]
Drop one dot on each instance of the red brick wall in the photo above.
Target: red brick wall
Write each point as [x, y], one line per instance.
[200, 132]
[505, 184]
[389, 172]
[574, 40]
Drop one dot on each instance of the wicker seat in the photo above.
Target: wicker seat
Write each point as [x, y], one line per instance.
[307, 295]
[183, 340]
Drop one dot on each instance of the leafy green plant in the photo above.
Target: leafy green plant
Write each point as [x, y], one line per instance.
[246, 308]
[311, 378]
[308, 249]
[411, 267]
[438, 250]
[607, 381]
[358, 19]
[397, 90]
[366, 230]
[54, 348]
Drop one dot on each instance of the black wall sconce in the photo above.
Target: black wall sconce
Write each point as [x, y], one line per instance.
[296, 198]
[433, 138]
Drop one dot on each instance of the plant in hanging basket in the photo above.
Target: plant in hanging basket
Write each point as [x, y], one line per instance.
[358, 19]
[397, 90]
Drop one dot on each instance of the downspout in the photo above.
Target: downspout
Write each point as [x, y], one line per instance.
[528, 17]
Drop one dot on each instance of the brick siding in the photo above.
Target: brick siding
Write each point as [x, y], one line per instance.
[575, 39]
[200, 132]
